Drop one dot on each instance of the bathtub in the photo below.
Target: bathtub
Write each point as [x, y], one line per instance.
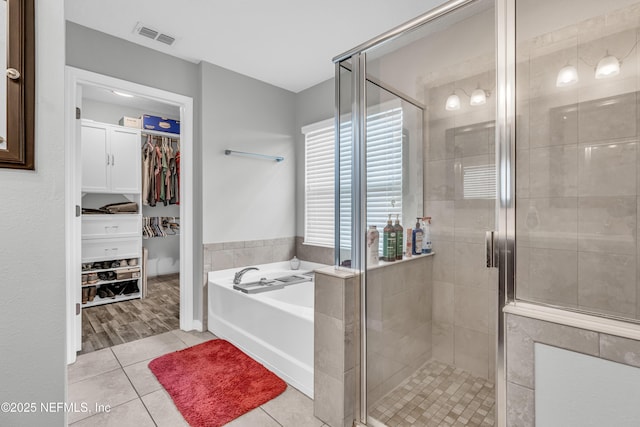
[275, 327]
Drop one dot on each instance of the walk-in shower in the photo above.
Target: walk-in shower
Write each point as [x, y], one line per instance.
[514, 116]
[429, 336]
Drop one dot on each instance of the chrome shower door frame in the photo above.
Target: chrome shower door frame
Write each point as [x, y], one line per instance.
[505, 163]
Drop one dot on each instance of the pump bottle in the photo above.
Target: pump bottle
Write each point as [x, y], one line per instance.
[416, 238]
[426, 237]
[399, 237]
[389, 242]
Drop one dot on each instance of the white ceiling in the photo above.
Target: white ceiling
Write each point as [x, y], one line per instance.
[288, 43]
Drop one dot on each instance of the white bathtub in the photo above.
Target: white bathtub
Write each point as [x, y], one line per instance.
[274, 327]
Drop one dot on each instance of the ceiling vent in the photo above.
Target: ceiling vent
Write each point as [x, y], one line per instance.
[145, 31]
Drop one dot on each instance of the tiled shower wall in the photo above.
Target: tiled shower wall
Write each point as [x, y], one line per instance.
[577, 169]
[464, 290]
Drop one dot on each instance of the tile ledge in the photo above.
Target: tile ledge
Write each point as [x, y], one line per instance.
[578, 320]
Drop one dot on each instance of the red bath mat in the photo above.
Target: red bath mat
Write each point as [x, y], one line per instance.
[214, 382]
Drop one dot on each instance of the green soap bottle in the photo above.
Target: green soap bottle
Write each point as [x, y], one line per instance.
[389, 242]
[399, 237]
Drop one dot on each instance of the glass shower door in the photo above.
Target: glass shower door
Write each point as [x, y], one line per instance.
[423, 135]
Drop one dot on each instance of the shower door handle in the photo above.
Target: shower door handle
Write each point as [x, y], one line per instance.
[492, 259]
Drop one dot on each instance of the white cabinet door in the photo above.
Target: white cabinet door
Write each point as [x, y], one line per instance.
[125, 161]
[95, 158]
[110, 159]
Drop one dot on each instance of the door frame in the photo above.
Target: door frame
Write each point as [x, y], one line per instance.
[75, 78]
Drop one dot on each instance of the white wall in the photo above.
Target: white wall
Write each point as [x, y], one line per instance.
[32, 246]
[574, 389]
[246, 198]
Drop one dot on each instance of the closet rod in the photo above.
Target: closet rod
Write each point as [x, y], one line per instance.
[258, 155]
[159, 133]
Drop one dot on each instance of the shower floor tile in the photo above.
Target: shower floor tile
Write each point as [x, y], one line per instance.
[438, 395]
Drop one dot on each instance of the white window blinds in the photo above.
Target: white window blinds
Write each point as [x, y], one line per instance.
[319, 184]
[384, 176]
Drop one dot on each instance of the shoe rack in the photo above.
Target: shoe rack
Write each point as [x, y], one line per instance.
[110, 281]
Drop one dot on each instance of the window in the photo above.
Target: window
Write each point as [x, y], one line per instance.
[384, 175]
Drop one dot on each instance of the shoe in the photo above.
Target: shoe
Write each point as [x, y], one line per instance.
[118, 288]
[85, 278]
[131, 288]
[109, 292]
[92, 292]
[85, 295]
[93, 278]
[133, 261]
[86, 267]
[102, 293]
[123, 263]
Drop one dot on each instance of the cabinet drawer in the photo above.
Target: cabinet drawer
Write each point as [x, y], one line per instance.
[101, 226]
[106, 249]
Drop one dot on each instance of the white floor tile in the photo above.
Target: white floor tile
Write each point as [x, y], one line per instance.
[143, 380]
[110, 388]
[192, 338]
[292, 409]
[163, 410]
[147, 348]
[130, 414]
[92, 364]
[255, 418]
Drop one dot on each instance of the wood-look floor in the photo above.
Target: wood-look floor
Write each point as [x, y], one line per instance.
[111, 324]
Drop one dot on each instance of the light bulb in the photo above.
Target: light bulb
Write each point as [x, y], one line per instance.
[126, 95]
[608, 66]
[453, 102]
[478, 97]
[567, 76]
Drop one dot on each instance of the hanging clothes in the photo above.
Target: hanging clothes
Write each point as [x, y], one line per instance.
[160, 171]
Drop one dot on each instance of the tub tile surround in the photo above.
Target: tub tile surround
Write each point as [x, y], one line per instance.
[336, 345]
[577, 169]
[521, 335]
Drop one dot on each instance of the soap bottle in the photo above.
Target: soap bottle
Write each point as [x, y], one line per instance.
[416, 238]
[399, 237]
[426, 237]
[373, 245]
[409, 251]
[295, 263]
[389, 242]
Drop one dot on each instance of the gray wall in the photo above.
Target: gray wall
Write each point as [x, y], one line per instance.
[246, 198]
[32, 247]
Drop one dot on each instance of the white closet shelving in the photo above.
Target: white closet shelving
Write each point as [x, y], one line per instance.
[111, 243]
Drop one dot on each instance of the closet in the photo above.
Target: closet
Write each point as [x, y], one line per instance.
[130, 198]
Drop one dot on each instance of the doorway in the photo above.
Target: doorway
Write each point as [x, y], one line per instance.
[172, 254]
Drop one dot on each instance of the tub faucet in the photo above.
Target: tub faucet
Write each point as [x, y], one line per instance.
[238, 276]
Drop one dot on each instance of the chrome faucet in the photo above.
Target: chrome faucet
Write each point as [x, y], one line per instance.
[238, 276]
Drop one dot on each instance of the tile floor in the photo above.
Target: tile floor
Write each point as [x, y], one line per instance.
[118, 376]
[438, 395]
